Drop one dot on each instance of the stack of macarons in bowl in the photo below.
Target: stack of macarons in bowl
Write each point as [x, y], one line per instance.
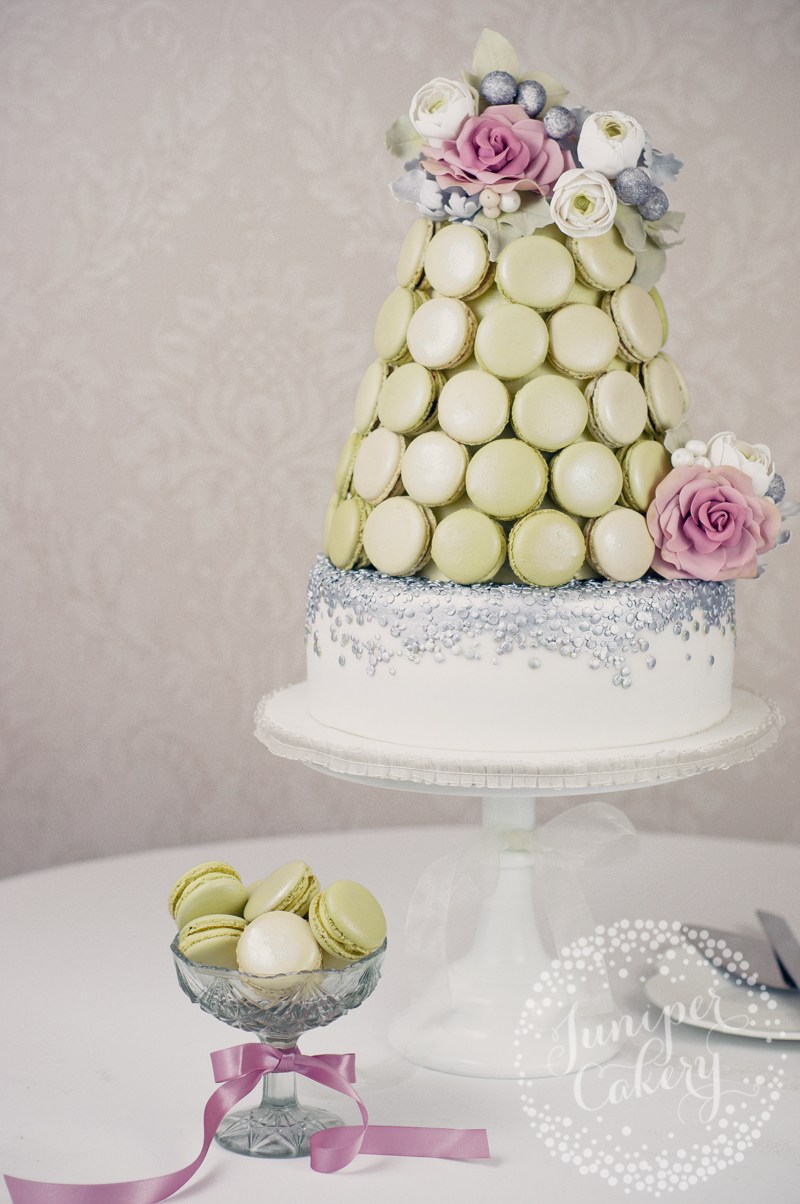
[284, 940]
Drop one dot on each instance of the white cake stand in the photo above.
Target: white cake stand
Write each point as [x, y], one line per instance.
[465, 1024]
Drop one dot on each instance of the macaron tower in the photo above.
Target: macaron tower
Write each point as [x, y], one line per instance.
[521, 423]
[506, 389]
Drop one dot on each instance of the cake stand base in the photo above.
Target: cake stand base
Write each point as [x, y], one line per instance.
[467, 1021]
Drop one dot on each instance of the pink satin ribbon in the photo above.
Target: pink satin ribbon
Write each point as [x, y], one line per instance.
[239, 1069]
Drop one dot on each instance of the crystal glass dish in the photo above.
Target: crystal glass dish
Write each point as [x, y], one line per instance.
[277, 1009]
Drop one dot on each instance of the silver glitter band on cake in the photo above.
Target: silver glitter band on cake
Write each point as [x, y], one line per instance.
[608, 623]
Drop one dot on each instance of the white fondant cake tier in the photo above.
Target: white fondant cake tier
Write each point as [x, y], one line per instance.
[591, 665]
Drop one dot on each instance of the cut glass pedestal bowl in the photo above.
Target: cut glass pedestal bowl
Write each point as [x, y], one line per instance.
[277, 1010]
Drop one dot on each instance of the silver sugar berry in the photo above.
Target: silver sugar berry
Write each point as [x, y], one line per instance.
[777, 489]
[655, 206]
[559, 122]
[633, 186]
[532, 96]
[499, 88]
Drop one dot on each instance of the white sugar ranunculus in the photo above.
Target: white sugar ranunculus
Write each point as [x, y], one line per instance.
[583, 203]
[755, 459]
[440, 108]
[610, 142]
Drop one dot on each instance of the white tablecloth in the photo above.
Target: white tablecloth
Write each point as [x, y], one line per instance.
[105, 1064]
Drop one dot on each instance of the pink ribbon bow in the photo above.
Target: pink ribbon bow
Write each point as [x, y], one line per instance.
[239, 1069]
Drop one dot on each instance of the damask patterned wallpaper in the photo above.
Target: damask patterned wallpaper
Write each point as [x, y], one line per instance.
[196, 236]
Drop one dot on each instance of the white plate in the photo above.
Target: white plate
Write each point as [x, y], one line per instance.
[739, 1011]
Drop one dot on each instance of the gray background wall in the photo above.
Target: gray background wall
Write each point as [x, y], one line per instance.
[196, 235]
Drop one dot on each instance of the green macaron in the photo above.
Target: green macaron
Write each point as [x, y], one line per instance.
[290, 887]
[585, 479]
[468, 546]
[343, 477]
[211, 940]
[347, 920]
[397, 536]
[344, 545]
[583, 340]
[506, 478]
[619, 545]
[211, 888]
[638, 321]
[665, 392]
[546, 548]
[603, 262]
[391, 325]
[617, 408]
[411, 260]
[644, 465]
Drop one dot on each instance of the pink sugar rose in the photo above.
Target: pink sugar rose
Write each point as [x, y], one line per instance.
[709, 524]
[503, 149]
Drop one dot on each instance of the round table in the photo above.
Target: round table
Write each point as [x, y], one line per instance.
[105, 1062]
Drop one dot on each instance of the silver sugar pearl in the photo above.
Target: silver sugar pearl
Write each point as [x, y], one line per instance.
[559, 122]
[532, 96]
[777, 489]
[633, 185]
[499, 88]
[655, 206]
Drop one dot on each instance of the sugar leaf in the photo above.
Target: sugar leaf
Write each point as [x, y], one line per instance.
[664, 168]
[631, 227]
[556, 92]
[650, 263]
[494, 53]
[402, 139]
[502, 230]
[670, 223]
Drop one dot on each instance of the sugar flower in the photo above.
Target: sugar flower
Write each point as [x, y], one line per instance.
[503, 149]
[584, 203]
[755, 459]
[708, 523]
[610, 142]
[460, 207]
[440, 108]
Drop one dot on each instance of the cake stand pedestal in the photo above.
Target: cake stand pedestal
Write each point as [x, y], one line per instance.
[466, 1023]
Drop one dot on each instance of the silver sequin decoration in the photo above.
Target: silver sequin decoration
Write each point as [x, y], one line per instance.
[603, 623]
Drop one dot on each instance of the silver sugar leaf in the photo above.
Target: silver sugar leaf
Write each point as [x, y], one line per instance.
[664, 169]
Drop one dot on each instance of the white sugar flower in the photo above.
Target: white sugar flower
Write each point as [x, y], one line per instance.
[430, 201]
[583, 203]
[440, 108]
[610, 142]
[755, 459]
[461, 207]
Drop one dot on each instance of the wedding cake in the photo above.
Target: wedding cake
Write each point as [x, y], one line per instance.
[525, 548]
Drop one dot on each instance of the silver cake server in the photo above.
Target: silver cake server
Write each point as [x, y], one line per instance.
[784, 945]
[758, 954]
